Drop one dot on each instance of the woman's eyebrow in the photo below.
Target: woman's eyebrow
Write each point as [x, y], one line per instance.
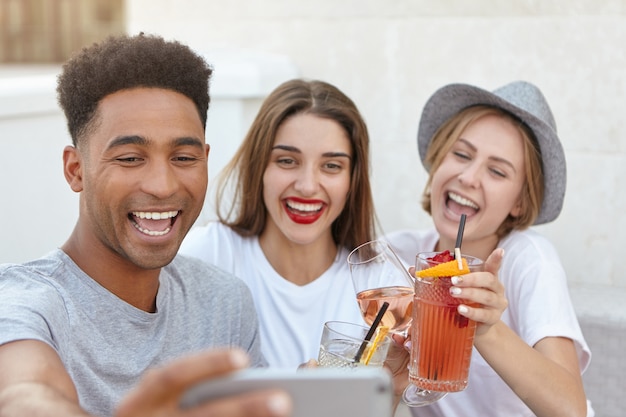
[493, 158]
[331, 154]
[287, 148]
[467, 143]
[336, 155]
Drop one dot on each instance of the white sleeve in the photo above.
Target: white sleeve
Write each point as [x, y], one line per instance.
[536, 286]
[214, 243]
[408, 243]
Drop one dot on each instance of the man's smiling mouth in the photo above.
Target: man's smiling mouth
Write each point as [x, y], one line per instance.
[153, 223]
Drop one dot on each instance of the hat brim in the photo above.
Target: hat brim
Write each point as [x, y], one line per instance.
[451, 99]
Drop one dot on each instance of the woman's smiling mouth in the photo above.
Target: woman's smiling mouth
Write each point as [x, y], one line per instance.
[303, 212]
[461, 205]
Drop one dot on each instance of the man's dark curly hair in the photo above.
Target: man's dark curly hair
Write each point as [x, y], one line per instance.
[125, 62]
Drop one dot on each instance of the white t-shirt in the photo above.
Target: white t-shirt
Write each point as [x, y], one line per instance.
[291, 317]
[539, 307]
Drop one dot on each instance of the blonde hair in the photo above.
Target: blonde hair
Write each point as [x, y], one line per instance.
[531, 196]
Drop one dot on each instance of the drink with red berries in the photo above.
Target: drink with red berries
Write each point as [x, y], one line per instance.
[442, 339]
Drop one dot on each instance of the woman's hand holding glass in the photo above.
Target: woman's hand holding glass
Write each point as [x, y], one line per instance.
[484, 289]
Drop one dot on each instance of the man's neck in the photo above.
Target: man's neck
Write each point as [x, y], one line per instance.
[135, 285]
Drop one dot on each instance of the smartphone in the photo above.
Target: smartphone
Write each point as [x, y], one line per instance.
[315, 392]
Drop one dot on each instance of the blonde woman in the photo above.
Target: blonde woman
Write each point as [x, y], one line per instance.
[496, 157]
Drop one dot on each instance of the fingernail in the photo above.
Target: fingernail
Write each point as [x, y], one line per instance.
[407, 345]
[279, 404]
[311, 363]
[456, 280]
[455, 290]
[239, 359]
[462, 309]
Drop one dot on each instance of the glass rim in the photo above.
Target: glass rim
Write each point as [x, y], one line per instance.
[353, 252]
[351, 337]
[471, 260]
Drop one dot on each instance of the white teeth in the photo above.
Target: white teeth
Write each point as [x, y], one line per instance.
[155, 215]
[152, 232]
[304, 207]
[462, 201]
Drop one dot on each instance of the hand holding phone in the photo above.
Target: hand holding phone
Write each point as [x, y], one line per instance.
[315, 392]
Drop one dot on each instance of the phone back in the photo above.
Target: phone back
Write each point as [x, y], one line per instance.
[316, 392]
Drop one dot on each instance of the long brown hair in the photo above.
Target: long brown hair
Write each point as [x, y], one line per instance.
[532, 189]
[242, 177]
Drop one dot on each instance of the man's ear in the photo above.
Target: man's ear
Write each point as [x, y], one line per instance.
[73, 168]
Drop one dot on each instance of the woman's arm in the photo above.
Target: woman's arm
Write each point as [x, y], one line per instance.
[545, 376]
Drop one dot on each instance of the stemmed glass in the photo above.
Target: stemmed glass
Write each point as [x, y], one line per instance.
[378, 275]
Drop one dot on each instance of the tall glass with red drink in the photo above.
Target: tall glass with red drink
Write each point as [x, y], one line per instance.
[441, 338]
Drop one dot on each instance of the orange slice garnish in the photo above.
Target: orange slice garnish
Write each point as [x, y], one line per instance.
[446, 269]
[381, 332]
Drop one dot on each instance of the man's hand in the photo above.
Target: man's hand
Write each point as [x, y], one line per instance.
[160, 390]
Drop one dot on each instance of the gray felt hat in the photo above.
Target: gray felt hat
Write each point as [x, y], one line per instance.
[526, 102]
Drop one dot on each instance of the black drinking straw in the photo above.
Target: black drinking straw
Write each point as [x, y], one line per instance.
[371, 331]
[459, 235]
[459, 239]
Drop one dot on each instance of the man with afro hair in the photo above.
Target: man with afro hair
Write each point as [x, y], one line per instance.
[114, 322]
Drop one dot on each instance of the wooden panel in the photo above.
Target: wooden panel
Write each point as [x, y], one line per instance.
[46, 31]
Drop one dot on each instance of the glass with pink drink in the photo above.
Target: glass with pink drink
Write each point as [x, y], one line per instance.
[379, 276]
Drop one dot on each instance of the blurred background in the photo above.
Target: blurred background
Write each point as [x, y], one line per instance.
[389, 57]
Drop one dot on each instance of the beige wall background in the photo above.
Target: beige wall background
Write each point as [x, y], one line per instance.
[389, 56]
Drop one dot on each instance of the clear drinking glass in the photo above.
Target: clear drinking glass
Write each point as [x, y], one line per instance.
[342, 342]
[441, 339]
[378, 275]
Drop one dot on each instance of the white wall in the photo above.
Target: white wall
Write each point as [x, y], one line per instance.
[389, 56]
[37, 208]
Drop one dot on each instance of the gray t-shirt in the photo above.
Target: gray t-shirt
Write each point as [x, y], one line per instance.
[104, 342]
